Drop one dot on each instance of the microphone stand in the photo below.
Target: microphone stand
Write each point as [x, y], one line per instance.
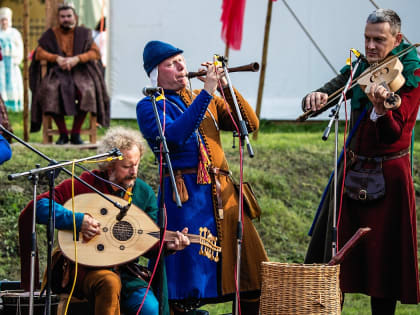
[33, 175]
[165, 151]
[243, 133]
[335, 114]
[114, 152]
[242, 124]
[52, 174]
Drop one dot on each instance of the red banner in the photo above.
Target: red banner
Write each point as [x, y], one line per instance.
[232, 22]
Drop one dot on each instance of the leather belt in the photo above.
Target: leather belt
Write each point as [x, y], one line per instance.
[396, 155]
[216, 171]
[183, 171]
[388, 157]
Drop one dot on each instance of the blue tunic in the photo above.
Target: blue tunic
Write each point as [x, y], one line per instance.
[5, 150]
[190, 275]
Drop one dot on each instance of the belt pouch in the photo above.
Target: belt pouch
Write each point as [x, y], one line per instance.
[365, 179]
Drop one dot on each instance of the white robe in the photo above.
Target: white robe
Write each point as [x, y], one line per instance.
[11, 83]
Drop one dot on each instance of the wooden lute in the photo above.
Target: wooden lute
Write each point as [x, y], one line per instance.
[121, 241]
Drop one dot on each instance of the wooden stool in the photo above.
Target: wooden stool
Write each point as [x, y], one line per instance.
[48, 131]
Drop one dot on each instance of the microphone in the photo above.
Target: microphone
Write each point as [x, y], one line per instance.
[114, 152]
[123, 212]
[149, 91]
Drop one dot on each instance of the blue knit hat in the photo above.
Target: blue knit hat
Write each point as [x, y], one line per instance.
[155, 52]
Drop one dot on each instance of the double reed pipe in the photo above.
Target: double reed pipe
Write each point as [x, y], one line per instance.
[253, 67]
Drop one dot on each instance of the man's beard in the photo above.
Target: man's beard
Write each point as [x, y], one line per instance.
[122, 181]
[66, 27]
[131, 184]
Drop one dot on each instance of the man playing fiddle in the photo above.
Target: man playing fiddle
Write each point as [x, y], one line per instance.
[384, 266]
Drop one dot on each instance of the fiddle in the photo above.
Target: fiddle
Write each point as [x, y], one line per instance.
[389, 76]
[387, 73]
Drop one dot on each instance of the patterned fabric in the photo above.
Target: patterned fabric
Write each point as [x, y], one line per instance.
[203, 176]
[11, 83]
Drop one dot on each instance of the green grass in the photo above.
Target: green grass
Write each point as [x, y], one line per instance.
[288, 174]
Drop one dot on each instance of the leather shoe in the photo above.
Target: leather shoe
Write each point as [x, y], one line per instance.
[75, 139]
[64, 138]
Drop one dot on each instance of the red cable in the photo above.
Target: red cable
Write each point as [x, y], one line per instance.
[240, 182]
[164, 209]
[344, 170]
[344, 155]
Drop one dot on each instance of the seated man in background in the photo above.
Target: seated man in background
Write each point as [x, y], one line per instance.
[74, 84]
[102, 286]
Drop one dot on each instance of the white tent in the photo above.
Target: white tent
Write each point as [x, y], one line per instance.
[294, 66]
[89, 11]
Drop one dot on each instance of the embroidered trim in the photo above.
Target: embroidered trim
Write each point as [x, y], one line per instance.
[203, 176]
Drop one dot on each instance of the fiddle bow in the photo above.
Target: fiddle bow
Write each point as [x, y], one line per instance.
[386, 73]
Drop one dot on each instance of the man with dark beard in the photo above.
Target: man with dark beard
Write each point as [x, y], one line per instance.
[108, 289]
[73, 84]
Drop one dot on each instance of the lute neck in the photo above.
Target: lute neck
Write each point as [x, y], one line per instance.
[171, 235]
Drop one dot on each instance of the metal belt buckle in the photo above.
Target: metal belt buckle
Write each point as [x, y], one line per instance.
[362, 194]
[352, 156]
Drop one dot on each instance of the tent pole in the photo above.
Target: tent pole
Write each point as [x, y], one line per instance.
[51, 7]
[25, 68]
[263, 63]
[226, 55]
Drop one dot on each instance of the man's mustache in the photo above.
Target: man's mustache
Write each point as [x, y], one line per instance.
[129, 177]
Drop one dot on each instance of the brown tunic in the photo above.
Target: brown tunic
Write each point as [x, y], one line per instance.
[64, 92]
[253, 252]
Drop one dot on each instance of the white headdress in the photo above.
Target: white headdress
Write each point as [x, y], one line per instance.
[6, 13]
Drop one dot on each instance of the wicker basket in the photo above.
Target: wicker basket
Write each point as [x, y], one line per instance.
[299, 289]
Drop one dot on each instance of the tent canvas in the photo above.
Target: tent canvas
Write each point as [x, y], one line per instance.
[294, 66]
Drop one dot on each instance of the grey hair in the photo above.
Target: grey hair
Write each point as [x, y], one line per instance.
[386, 15]
[122, 139]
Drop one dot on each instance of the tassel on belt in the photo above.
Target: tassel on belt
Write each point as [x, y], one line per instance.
[212, 170]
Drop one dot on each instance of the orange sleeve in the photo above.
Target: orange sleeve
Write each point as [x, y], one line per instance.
[42, 54]
[92, 54]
